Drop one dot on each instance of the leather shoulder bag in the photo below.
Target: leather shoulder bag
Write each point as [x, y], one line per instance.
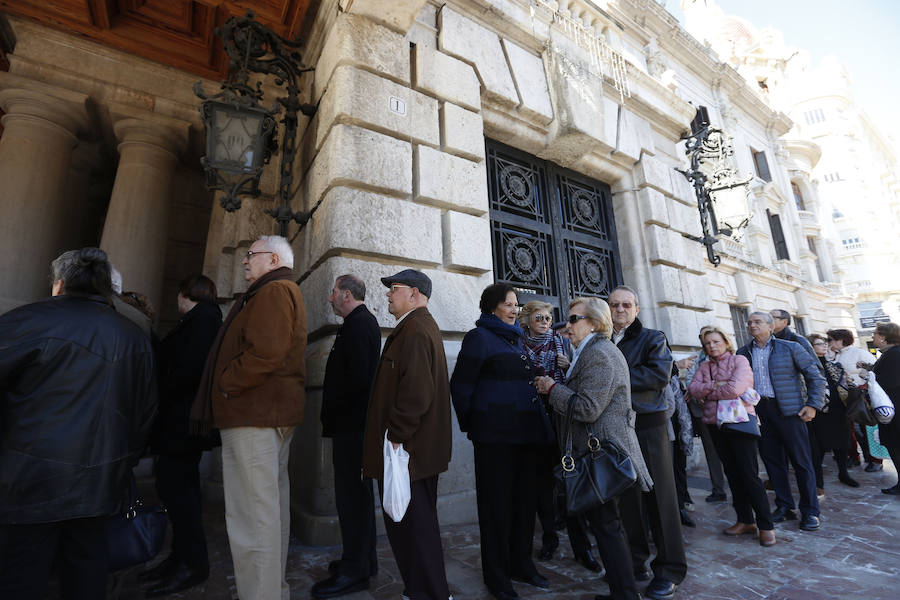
[599, 474]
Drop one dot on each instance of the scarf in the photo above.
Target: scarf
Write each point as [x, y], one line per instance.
[201, 420]
[542, 350]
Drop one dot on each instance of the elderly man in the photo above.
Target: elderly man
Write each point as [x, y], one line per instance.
[253, 391]
[411, 404]
[650, 365]
[779, 368]
[345, 399]
[78, 399]
[782, 320]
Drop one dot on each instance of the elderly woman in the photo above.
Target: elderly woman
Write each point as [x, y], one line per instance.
[598, 384]
[887, 373]
[828, 431]
[726, 376]
[497, 406]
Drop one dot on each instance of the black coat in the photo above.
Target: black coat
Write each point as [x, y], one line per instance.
[77, 400]
[650, 366]
[181, 356]
[349, 374]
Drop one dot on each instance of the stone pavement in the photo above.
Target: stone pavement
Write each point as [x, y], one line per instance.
[856, 555]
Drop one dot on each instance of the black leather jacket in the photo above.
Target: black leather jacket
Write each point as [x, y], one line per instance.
[650, 364]
[77, 399]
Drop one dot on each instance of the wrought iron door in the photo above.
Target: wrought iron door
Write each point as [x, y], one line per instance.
[553, 232]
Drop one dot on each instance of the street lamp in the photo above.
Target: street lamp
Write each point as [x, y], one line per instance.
[240, 132]
[721, 198]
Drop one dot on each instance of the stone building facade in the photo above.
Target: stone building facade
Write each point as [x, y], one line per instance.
[477, 140]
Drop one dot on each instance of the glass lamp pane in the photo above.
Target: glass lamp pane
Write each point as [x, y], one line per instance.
[731, 207]
[233, 140]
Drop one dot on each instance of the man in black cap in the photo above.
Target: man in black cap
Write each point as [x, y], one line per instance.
[410, 404]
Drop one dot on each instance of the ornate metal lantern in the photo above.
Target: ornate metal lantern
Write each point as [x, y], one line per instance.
[240, 132]
[721, 198]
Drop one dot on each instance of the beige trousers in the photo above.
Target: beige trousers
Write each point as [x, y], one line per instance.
[257, 508]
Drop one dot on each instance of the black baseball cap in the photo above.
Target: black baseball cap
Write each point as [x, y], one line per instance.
[412, 278]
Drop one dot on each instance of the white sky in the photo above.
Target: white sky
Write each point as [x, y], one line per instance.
[862, 34]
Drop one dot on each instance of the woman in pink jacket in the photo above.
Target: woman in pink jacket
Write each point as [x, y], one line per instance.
[725, 376]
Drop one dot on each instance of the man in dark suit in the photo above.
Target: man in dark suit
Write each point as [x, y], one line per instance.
[345, 399]
[410, 404]
[650, 367]
[780, 368]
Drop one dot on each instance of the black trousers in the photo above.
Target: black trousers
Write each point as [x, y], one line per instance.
[782, 434]
[77, 547]
[178, 487]
[612, 545]
[355, 503]
[416, 543]
[506, 491]
[818, 447]
[738, 453]
[679, 467]
[661, 506]
[547, 458]
[713, 463]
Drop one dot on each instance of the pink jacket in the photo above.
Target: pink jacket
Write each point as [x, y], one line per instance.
[734, 371]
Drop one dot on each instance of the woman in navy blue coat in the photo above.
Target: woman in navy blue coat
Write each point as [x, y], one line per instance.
[497, 405]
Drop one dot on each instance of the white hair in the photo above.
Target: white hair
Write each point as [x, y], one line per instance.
[281, 247]
[116, 277]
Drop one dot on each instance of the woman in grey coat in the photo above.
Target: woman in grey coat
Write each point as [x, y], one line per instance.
[598, 382]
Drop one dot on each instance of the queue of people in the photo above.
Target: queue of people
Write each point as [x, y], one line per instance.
[527, 394]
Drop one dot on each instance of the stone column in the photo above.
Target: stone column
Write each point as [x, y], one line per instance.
[135, 232]
[39, 133]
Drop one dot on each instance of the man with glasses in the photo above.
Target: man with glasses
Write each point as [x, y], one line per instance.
[779, 367]
[253, 390]
[783, 331]
[410, 405]
[650, 366]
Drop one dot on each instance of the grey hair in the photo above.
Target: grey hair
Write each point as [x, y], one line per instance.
[62, 265]
[630, 291]
[766, 316]
[352, 284]
[597, 310]
[281, 247]
[84, 271]
[116, 277]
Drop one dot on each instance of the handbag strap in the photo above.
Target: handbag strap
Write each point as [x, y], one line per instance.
[568, 462]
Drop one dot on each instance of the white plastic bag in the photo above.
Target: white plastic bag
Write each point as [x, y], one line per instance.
[396, 480]
[878, 399]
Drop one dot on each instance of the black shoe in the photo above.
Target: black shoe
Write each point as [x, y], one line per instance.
[547, 551]
[873, 467]
[588, 561]
[505, 595]
[782, 514]
[809, 523]
[161, 571]
[892, 491]
[335, 565]
[686, 519]
[644, 575]
[661, 589]
[537, 580]
[339, 585]
[845, 478]
[717, 497]
[183, 578]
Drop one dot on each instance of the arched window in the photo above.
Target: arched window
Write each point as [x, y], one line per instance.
[798, 197]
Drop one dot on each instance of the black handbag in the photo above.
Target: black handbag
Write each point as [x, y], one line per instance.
[858, 408]
[750, 427]
[135, 536]
[598, 475]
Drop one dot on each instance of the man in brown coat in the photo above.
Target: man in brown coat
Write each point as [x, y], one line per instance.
[411, 402]
[256, 391]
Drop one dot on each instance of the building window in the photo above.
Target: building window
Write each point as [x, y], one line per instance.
[814, 116]
[798, 197]
[832, 177]
[761, 164]
[781, 249]
[799, 325]
[811, 242]
[739, 317]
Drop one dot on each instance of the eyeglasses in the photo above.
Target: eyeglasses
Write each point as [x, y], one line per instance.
[542, 318]
[397, 286]
[575, 318]
[252, 253]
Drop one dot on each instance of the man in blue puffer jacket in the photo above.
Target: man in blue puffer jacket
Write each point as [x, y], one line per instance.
[778, 366]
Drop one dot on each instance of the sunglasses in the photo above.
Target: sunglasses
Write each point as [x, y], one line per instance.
[541, 318]
[575, 318]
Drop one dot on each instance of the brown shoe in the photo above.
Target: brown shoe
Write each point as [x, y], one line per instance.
[740, 529]
[766, 537]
